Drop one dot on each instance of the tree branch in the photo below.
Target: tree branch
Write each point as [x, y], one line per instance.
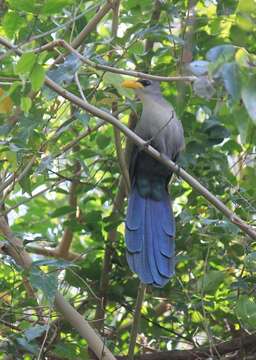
[65, 243]
[244, 342]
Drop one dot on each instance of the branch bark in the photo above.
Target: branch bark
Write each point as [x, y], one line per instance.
[63, 248]
[245, 342]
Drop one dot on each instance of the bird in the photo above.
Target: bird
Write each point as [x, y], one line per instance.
[150, 224]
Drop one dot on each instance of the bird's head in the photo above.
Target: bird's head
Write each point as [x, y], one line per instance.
[143, 87]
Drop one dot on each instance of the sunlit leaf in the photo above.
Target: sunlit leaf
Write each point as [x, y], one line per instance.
[249, 97]
[6, 104]
[222, 51]
[37, 77]
[246, 311]
[25, 64]
[210, 282]
[232, 79]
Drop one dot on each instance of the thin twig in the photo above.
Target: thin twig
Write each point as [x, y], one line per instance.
[92, 64]
[89, 27]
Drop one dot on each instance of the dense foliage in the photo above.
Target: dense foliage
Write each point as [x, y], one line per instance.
[52, 190]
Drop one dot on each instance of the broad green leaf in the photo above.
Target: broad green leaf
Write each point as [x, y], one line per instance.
[25, 344]
[224, 51]
[210, 282]
[35, 331]
[37, 77]
[25, 64]
[243, 58]
[12, 23]
[67, 351]
[103, 141]
[64, 210]
[25, 104]
[53, 6]
[246, 6]
[25, 184]
[11, 158]
[250, 261]
[116, 81]
[197, 317]
[245, 22]
[47, 283]
[249, 97]
[22, 5]
[246, 311]
[6, 104]
[226, 7]
[232, 80]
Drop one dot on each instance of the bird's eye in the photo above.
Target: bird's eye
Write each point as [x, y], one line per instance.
[145, 82]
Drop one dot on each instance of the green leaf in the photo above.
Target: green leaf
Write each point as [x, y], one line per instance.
[247, 6]
[224, 51]
[249, 97]
[25, 184]
[25, 104]
[25, 64]
[197, 317]
[250, 262]
[24, 343]
[35, 331]
[103, 141]
[210, 282]
[246, 311]
[53, 6]
[232, 81]
[116, 81]
[64, 210]
[22, 5]
[12, 23]
[47, 283]
[37, 77]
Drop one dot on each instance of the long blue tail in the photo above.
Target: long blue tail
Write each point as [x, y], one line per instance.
[149, 236]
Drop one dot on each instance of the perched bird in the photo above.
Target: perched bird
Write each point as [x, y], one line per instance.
[150, 224]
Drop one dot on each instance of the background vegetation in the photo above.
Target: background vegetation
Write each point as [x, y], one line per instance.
[60, 169]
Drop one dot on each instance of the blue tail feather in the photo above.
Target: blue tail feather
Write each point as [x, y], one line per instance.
[149, 236]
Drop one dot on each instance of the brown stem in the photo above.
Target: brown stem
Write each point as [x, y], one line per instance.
[227, 347]
[65, 243]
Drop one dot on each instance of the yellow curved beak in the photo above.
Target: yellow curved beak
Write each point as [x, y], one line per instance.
[132, 84]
